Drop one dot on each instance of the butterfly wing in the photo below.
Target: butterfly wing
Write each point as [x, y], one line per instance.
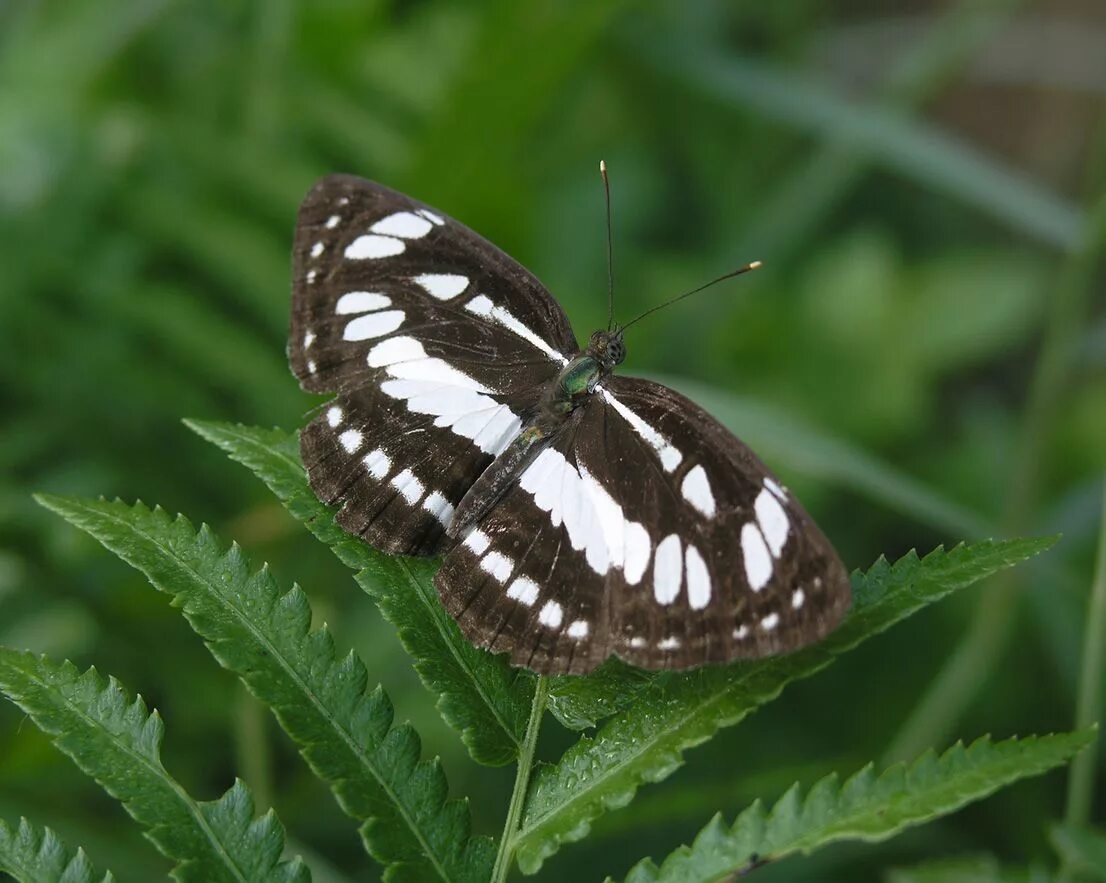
[661, 538]
[437, 344]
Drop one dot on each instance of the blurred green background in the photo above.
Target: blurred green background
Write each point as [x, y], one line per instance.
[923, 356]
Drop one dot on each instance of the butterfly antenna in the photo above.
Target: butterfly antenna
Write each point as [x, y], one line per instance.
[610, 251]
[753, 266]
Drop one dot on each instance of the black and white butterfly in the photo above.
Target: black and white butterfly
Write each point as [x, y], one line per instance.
[581, 514]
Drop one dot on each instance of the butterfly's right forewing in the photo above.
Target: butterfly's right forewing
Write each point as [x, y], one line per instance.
[437, 344]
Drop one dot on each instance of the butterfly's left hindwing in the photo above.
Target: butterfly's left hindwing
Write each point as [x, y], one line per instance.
[438, 344]
[648, 531]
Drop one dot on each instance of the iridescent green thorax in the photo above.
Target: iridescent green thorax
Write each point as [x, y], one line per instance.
[579, 377]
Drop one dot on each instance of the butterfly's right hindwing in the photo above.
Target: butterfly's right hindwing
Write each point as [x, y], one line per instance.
[648, 531]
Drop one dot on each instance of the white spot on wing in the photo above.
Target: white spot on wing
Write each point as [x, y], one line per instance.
[430, 216]
[406, 225]
[523, 590]
[637, 642]
[378, 463]
[770, 622]
[317, 249]
[551, 615]
[797, 599]
[334, 416]
[698, 579]
[395, 349]
[773, 521]
[758, 563]
[670, 457]
[311, 366]
[308, 339]
[608, 518]
[696, 490]
[578, 629]
[668, 569]
[741, 633]
[361, 302]
[350, 440]
[373, 325]
[775, 488]
[438, 506]
[498, 565]
[409, 487]
[477, 541]
[432, 386]
[436, 371]
[669, 643]
[498, 432]
[371, 247]
[333, 221]
[311, 274]
[481, 305]
[442, 286]
[638, 548]
[593, 520]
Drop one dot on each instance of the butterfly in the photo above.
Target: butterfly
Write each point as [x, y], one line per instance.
[581, 513]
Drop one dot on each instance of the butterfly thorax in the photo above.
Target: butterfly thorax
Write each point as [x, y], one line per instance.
[571, 388]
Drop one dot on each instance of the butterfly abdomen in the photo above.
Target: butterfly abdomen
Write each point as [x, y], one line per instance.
[562, 396]
[497, 479]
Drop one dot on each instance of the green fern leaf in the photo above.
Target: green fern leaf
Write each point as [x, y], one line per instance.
[1082, 850]
[343, 729]
[480, 695]
[116, 741]
[865, 807]
[647, 741]
[37, 855]
[580, 702]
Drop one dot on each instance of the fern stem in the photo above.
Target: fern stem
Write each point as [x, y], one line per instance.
[522, 781]
[251, 746]
[1088, 708]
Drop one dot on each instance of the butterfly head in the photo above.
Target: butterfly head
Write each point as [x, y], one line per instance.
[608, 348]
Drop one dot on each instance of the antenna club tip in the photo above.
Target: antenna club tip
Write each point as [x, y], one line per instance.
[756, 265]
[602, 165]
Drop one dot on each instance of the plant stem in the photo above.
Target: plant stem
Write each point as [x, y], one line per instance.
[522, 781]
[251, 738]
[1088, 708]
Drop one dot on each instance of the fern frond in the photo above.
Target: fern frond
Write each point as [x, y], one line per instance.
[37, 855]
[646, 742]
[865, 807]
[480, 695]
[581, 701]
[343, 728]
[117, 742]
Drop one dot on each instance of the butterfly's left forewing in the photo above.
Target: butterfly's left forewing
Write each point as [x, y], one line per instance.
[650, 532]
[436, 342]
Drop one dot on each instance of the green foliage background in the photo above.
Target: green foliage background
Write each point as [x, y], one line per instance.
[923, 357]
